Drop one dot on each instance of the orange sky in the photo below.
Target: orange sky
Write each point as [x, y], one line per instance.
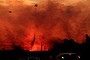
[50, 20]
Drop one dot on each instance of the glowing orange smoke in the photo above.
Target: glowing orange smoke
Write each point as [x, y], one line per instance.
[49, 21]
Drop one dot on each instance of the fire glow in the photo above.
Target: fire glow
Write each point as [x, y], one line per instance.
[22, 24]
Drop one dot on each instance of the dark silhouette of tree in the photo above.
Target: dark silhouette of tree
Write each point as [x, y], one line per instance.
[87, 39]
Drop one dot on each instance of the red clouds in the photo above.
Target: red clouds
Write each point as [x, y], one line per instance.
[48, 21]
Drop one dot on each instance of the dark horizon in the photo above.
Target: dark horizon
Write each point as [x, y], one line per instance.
[68, 46]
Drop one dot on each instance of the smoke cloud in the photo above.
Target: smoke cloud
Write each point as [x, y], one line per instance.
[48, 21]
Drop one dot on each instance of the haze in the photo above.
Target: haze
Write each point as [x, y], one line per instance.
[50, 21]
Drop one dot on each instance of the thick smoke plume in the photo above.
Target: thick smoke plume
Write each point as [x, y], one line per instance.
[48, 20]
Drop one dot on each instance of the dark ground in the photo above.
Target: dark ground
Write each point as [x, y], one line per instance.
[68, 46]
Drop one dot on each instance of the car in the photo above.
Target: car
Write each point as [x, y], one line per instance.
[68, 56]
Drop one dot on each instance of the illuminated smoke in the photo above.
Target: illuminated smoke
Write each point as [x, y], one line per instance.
[49, 21]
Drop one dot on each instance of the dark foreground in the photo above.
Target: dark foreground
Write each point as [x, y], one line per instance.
[69, 50]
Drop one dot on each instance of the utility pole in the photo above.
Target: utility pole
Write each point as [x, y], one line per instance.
[41, 46]
[32, 43]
